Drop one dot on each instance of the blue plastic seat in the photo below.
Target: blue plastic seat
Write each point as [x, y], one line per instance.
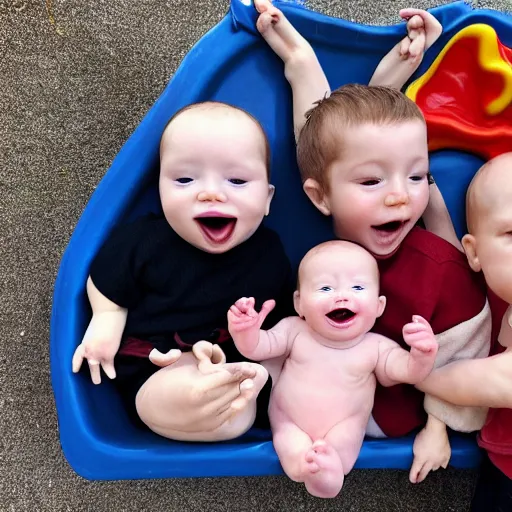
[233, 64]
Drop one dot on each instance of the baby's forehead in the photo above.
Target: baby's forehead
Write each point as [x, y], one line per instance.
[212, 113]
[491, 187]
[341, 262]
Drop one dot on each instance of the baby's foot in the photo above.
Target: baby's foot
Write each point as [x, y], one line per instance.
[323, 472]
[280, 34]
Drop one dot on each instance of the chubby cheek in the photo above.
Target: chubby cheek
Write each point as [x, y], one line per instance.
[497, 270]
[419, 200]
[351, 218]
[250, 205]
[313, 309]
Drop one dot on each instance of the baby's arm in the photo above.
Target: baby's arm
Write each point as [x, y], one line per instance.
[431, 446]
[304, 73]
[301, 67]
[396, 365]
[244, 324]
[403, 60]
[437, 218]
[102, 337]
[485, 382]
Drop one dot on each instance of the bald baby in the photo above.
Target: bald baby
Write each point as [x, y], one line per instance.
[338, 249]
[488, 245]
[323, 392]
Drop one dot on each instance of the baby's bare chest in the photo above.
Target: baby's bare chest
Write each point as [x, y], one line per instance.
[319, 369]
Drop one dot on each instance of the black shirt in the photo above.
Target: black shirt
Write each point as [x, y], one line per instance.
[173, 290]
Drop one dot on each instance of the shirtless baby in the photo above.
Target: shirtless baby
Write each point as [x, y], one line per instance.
[323, 394]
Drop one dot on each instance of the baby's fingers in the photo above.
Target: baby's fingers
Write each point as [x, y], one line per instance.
[419, 320]
[108, 368]
[78, 358]
[417, 47]
[267, 307]
[415, 22]
[94, 368]
[411, 12]
[414, 328]
[246, 306]
[424, 346]
[404, 46]
[235, 311]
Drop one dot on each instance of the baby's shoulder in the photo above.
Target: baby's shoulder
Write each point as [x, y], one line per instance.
[377, 342]
[292, 325]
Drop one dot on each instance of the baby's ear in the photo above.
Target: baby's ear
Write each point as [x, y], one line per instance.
[382, 306]
[317, 196]
[296, 302]
[271, 190]
[469, 244]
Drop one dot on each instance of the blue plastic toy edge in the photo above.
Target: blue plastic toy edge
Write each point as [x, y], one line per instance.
[73, 269]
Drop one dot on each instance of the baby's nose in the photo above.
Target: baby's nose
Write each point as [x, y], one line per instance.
[211, 194]
[396, 199]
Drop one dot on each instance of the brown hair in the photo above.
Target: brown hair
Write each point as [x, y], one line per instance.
[219, 104]
[321, 142]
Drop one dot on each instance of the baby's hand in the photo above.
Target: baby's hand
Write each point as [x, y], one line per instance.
[423, 30]
[99, 347]
[431, 450]
[242, 316]
[419, 336]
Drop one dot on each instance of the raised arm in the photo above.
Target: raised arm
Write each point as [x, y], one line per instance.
[301, 67]
[396, 365]
[244, 324]
[398, 65]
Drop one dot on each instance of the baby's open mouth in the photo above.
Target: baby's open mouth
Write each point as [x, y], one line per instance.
[217, 229]
[390, 227]
[340, 316]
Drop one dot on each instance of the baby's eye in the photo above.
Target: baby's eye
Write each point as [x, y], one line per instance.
[325, 289]
[358, 288]
[418, 178]
[370, 182]
[184, 180]
[237, 181]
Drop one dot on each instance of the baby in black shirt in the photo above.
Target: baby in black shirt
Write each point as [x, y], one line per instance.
[160, 288]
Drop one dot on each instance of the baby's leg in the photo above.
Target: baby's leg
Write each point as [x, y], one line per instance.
[198, 400]
[301, 67]
[315, 463]
[291, 444]
[332, 458]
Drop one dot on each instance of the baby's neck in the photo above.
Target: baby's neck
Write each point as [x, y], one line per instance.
[335, 344]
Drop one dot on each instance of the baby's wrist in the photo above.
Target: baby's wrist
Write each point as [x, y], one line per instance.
[434, 424]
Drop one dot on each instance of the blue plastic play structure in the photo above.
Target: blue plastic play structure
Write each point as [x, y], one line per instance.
[231, 63]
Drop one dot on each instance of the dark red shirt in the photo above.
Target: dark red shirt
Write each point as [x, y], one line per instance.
[496, 435]
[428, 277]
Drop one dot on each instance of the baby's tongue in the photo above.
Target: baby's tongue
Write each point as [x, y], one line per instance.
[218, 229]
